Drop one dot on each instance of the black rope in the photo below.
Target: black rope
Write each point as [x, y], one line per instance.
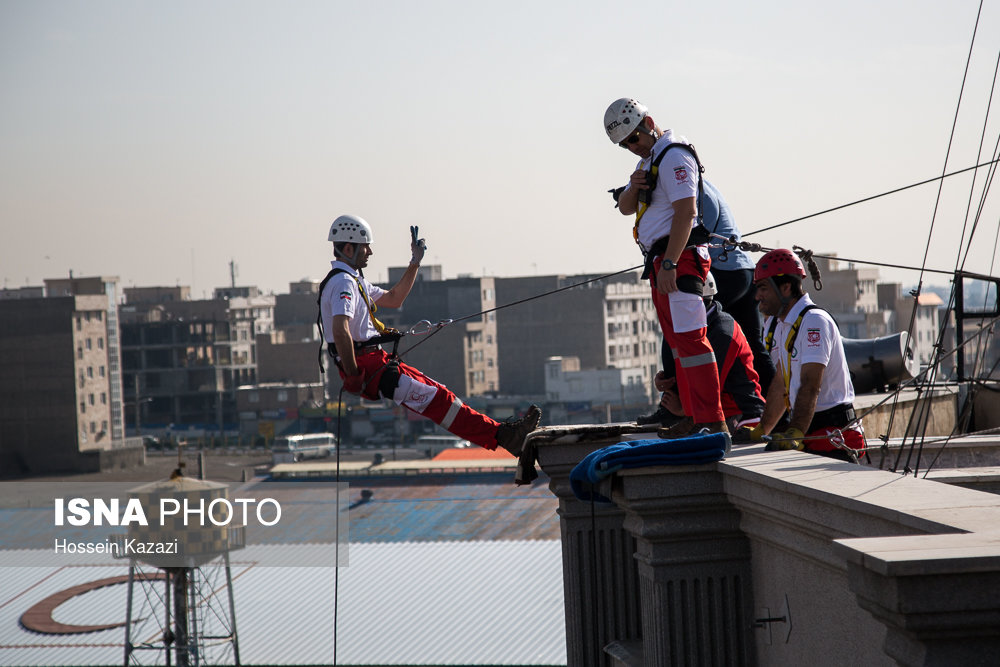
[921, 384]
[979, 357]
[336, 549]
[551, 292]
[924, 412]
[868, 199]
[749, 246]
[521, 301]
[989, 176]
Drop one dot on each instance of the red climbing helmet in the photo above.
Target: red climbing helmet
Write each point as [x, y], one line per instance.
[779, 262]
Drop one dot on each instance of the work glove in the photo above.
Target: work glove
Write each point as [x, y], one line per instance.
[354, 384]
[417, 246]
[790, 439]
[748, 436]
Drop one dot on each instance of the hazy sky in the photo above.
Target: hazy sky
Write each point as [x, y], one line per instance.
[157, 141]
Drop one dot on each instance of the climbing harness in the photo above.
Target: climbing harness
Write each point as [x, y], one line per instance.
[792, 334]
[699, 233]
[645, 196]
[385, 334]
[786, 368]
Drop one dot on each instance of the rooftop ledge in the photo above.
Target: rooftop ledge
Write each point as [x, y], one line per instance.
[773, 558]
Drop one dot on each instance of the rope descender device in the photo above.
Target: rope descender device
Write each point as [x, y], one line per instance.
[728, 245]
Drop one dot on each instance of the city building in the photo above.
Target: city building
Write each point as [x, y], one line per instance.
[576, 395]
[27, 292]
[607, 323]
[155, 295]
[60, 377]
[295, 316]
[463, 355]
[268, 409]
[851, 295]
[926, 321]
[183, 360]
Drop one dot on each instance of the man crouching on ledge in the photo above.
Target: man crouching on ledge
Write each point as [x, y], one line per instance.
[812, 387]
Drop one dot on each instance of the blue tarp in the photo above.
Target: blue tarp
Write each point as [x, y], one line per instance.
[606, 461]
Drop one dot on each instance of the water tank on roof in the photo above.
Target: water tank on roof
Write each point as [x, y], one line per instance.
[192, 514]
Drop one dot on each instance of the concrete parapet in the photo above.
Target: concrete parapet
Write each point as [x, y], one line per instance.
[885, 414]
[772, 558]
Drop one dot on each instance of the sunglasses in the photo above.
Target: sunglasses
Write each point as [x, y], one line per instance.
[631, 139]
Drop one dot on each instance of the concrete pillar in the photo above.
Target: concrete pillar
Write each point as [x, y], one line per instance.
[694, 566]
[600, 574]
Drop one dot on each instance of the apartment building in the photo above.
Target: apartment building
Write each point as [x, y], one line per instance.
[60, 377]
[184, 360]
[926, 321]
[851, 295]
[610, 323]
[462, 355]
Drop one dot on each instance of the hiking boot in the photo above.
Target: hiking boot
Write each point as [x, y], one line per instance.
[677, 430]
[687, 429]
[705, 428]
[511, 433]
[662, 416]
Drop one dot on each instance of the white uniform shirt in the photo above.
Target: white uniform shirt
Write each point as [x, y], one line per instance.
[342, 297]
[677, 179]
[818, 342]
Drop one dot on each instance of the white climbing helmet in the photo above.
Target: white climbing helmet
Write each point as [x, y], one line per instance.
[350, 229]
[622, 118]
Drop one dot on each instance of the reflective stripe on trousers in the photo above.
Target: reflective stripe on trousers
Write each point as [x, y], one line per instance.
[694, 359]
[421, 394]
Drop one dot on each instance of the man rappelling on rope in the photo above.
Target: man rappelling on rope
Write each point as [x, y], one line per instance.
[812, 387]
[354, 336]
[662, 193]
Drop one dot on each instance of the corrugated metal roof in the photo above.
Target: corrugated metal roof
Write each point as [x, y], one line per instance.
[456, 507]
[446, 603]
[483, 506]
[442, 569]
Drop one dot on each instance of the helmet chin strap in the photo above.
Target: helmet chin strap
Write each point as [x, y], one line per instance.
[350, 261]
[786, 301]
[777, 290]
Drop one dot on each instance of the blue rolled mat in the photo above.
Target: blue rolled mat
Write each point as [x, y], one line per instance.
[601, 463]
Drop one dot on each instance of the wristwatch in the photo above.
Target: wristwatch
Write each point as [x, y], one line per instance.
[667, 264]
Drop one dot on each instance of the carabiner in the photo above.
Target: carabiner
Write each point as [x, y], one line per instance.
[420, 328]
[837, 440]
[425, 327]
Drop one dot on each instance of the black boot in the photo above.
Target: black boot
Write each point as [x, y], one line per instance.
[662, 417]
[511, 433]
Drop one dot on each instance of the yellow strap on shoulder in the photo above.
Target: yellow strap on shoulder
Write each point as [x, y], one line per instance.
[642, 209]
[381, 328]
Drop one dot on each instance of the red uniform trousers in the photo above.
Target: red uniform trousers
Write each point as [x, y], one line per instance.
[694, 359]
[741, 395]
[420, 394]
